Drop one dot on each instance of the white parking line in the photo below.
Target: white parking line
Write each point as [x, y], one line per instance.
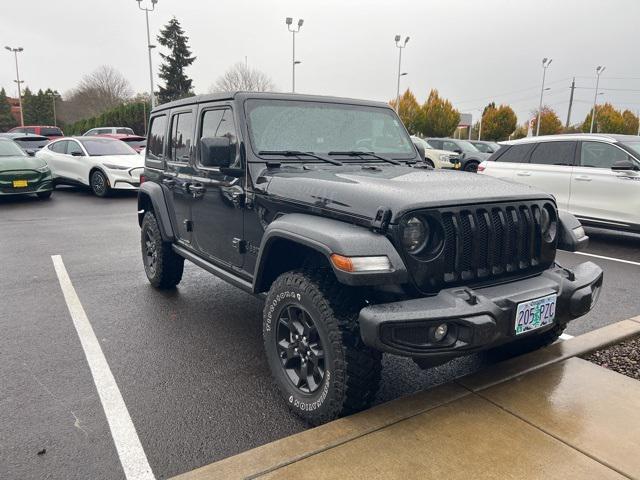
[132, 457]
[566, 336]
[608, 258]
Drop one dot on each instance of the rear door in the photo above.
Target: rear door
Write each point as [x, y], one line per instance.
[550, 167]
[178, 174]
[77, 162]
[510, 162]
[601, 195]
[218, 199]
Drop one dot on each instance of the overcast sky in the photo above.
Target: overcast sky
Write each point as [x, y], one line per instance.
[472, 51]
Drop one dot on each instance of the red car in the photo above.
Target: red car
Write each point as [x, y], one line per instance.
[45, 130]
[136, 142]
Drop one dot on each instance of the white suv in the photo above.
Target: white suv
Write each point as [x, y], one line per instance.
[595, 177]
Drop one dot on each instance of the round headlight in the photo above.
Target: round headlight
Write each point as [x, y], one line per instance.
[548, 224]
[414, 234]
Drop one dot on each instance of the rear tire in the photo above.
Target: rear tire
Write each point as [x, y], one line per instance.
[340, 375]
[99, 184]
[162, 265]
[44, 195]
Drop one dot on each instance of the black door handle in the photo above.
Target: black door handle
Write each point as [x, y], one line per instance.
[169, 182]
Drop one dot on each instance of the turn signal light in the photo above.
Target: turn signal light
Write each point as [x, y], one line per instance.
[379, 263]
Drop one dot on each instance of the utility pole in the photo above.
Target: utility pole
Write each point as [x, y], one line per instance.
[400, 47]
[53, 103]
[15, 53]
[294, 62]
[573, 87]
[599, 70]
[149, 46]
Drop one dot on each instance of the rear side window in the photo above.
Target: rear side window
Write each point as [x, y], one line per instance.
[125, 131]
[435, 144]
[59, 147]
[601, 155]
[29, 130]
[181, 136]
[554, 153]
[155, 147]
[516, 153]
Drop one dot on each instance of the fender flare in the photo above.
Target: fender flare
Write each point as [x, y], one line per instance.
[327, 236]
[152, 192]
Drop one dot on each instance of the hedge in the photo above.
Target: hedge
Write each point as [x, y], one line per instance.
[130, 115]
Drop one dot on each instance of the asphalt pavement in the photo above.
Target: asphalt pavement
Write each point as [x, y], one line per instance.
[189, 363]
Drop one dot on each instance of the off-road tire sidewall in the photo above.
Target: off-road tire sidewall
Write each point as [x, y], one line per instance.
[169, 265]
[323, 402]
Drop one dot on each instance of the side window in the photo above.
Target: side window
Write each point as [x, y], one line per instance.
[73, 147]
[181, 137]
[220, 123]
[450, 146]
[29, 130]
[601, 155]
[59, 147]
[155, 144]
[553, 153]
[18, 130]
[91, 132]
[516, 153]
[435, 144]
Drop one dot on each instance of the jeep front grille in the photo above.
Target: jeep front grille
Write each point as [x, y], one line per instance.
[484, 242]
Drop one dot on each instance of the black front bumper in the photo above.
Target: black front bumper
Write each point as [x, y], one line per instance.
[477, 319]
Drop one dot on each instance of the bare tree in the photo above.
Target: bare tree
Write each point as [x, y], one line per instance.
[243, 78]
[97, 92]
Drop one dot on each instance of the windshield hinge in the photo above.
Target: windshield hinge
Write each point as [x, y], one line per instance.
[381, 221]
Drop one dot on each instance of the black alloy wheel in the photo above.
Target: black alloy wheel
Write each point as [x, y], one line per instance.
[99, 183]
[150, 253]
[300, 348]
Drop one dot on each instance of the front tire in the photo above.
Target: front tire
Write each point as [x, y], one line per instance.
[44, 195]
[162, 265]
[314, 350]
[99, 184]
[471, 167]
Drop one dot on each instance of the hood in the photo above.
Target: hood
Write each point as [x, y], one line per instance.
[21, 163]
[479, 155]
[359, 192]
[130, 161]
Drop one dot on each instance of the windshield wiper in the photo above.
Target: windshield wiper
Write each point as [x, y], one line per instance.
[356, 153]
[298, 153]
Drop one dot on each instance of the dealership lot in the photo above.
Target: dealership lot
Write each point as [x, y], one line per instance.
[189, 364]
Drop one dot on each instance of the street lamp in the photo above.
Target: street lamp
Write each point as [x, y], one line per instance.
[599, 70]
[15, 53]
[149, 46]
[400, 47]
[293, 29]
[545, 64]
[54, 95]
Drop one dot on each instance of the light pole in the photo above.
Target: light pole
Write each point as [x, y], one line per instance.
[400, 47]
[15, 53]
[149, 46]
[293, 29]
[599, 70]
[545, 64]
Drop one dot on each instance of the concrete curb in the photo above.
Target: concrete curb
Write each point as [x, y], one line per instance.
[277, 454]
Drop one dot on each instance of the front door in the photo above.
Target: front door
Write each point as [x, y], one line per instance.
[178, 173]
[218, 199]
[602, 195]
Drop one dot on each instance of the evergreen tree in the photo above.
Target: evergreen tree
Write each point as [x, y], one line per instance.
[7, 121]
[177, 84]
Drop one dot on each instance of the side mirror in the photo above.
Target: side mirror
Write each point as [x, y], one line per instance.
[571, 236]
[77, 154]
[421, 151]
[31, 152]
[622, 165]
[216, 152]
[457, 150]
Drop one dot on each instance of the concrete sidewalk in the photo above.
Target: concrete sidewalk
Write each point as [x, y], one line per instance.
[543, 415]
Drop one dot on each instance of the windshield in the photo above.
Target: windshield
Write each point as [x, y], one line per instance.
[466, 146]
[635, 146]
[10, 149]
[281, 125]
[97, 147]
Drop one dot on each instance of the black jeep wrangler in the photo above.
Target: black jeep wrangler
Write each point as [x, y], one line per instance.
[325, 208]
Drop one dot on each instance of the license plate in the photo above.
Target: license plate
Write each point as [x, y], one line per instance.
[20, 183]
[535, 314]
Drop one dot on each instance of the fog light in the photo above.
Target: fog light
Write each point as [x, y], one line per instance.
[440, 332]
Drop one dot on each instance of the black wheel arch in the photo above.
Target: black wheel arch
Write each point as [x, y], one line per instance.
[151, 198]
[292, 240]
